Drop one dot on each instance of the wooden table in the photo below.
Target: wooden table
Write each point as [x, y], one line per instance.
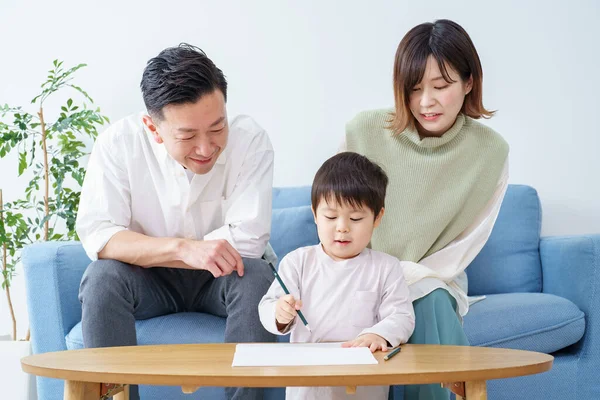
[464, 370]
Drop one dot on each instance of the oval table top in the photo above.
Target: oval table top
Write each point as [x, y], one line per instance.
[210, 365]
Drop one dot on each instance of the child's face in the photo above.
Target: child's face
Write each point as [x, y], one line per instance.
[344, 231]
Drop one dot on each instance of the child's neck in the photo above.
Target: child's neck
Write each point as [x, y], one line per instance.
[338, 259]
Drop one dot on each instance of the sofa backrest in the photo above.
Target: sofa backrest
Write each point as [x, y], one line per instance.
[509, 262]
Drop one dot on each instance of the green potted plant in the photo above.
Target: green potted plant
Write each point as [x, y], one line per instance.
[49, 153]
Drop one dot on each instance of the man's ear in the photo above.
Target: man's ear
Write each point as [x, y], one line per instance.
[378, 219]
[147, 120]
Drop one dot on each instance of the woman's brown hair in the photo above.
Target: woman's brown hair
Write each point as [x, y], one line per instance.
[451, 46]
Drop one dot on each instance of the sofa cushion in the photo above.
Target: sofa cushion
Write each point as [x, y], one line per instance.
[510, 260]
[180, 328]
[291, 228]
[525, 321]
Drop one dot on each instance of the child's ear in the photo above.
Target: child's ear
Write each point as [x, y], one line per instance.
[314, 214]
[378, 219]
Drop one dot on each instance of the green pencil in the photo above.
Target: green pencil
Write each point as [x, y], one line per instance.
[392, 354]
[285, 289]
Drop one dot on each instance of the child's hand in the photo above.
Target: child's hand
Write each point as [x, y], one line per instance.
[372, 341]
[286, 309]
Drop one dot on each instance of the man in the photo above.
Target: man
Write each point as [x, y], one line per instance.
[175, 210]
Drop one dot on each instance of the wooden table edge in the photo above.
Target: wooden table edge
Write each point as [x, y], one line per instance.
[283, 381]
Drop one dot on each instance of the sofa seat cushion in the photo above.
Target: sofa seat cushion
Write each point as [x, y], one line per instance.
[525, 321]
[181, 328]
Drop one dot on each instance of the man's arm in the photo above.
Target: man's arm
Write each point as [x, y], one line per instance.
[216, 256]
[105, 214]
[247, 214]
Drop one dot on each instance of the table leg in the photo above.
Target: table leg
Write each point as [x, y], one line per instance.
[189, 389]
[476, 390]
[123, 395]
[75, 390]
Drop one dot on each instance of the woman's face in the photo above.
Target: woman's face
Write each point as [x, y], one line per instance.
[435, 103]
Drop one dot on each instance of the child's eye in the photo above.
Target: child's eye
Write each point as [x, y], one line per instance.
[329, 217]
[355, 219]
[442, 87]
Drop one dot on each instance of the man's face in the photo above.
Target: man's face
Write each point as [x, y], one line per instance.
[194, 134]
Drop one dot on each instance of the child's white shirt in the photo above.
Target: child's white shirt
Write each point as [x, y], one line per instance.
[342, 300]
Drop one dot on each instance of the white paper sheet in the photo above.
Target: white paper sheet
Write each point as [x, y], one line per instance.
[299, 354]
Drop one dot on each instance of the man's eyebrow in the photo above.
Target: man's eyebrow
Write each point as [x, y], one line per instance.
[186, 130]
[217, 122]
[192, 130]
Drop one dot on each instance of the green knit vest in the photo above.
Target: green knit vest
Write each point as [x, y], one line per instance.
[437, 185]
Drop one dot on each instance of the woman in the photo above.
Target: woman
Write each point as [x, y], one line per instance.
[448, 175]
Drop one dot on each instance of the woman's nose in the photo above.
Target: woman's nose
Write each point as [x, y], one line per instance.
[427, 100]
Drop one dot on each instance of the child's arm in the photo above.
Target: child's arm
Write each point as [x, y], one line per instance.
[267, 308]
[396, 315]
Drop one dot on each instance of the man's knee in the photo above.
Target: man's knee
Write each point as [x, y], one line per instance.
[254, 284]
[257, 274]
[102, 278]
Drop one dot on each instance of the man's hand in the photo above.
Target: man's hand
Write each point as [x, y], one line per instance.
[216, 256]
[286, 310]
[370, 340]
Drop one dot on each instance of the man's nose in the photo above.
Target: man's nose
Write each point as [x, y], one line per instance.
[204, 149]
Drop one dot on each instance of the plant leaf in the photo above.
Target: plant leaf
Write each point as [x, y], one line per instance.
[22, 162]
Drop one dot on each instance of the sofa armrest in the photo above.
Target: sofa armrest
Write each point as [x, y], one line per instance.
[53, 271]
[571, 269]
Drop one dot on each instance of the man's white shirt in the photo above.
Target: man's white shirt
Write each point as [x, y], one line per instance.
[133, 184]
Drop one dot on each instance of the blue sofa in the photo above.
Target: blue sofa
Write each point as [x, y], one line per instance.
[543, 294]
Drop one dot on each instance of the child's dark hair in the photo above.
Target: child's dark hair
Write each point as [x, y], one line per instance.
[352, 179]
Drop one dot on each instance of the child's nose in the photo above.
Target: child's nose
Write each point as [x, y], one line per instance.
[342, 227]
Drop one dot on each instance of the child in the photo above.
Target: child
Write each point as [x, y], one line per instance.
[346, 291]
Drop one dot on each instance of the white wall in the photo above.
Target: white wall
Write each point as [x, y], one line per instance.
[302, 69]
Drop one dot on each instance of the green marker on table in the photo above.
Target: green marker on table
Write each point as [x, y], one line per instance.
[285, 289]
[392, 354]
